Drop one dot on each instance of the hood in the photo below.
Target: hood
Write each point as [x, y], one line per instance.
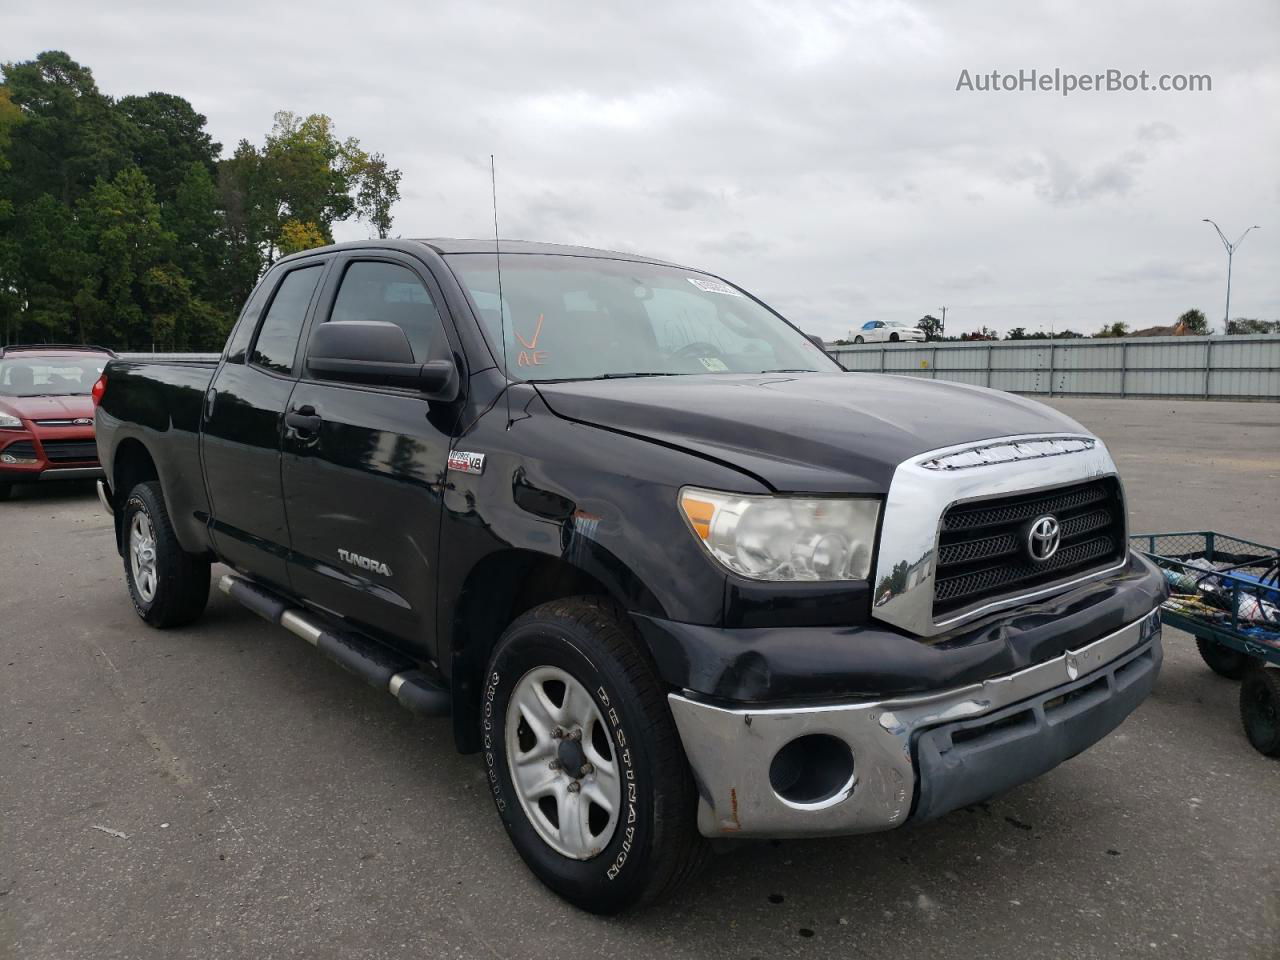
[48, 408]
[817, 432]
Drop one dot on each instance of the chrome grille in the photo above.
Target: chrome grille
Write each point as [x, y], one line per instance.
[982, 551]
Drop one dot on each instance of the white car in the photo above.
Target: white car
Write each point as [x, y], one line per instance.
[878, 331]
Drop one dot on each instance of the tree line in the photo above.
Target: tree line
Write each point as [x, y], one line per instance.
[1190, 322]
[122, 223]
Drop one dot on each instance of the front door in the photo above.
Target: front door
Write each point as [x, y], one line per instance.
[363, 485]
[240, 440]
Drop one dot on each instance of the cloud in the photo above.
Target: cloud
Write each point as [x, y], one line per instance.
[1164, 271]
[1157, 131]
[817, 153]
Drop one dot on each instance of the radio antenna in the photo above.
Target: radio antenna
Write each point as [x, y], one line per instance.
[502, 307]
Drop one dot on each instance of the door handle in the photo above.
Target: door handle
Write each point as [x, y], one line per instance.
[303, 419]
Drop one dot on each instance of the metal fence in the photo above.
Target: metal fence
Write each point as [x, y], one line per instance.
[1192, 368]
[171, 356]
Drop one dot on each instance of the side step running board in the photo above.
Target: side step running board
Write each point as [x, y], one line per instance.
[376, 665]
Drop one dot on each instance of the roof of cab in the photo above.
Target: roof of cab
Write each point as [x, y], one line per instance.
[446, 246]
[443, 245]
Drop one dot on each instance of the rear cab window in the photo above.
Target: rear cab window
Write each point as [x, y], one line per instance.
[277, 341]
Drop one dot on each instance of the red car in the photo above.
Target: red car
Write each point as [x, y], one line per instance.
[46, 413]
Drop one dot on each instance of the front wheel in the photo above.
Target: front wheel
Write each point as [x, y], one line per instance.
[168, 586]
[1260, 708]
[583, 758]
[893, 337]
[858, 340]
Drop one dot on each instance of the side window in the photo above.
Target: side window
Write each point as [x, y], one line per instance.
[869, 325]
[373, 290]
[278, 336]
[238, 343]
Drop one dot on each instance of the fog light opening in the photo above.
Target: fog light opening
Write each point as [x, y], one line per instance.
[812, 771]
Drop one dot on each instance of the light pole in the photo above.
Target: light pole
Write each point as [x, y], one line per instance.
[942, 331]
[1231, 249]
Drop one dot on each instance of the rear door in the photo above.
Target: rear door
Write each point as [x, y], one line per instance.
[243, 423]
[363, 486]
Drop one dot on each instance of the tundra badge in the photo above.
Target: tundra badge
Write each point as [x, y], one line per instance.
[364, 563]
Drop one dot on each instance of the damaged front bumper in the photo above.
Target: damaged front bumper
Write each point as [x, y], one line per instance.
[868, 765]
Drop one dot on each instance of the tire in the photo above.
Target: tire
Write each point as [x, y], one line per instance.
[171, 588]
[893, 338]
[1260, 709]
[858, 340]
[650, 846]
[5, 490]
[1222, 660]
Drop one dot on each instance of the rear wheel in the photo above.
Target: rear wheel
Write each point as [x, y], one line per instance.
[1222, 660]
[1260, 708]
[168, 586]
[583, 758]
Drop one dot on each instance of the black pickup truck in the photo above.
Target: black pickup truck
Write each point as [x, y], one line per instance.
[669, 569]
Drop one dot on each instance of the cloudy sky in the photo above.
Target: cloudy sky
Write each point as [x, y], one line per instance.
[818, 154]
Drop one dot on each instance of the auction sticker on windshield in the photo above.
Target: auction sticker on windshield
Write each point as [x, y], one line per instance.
[714, 286]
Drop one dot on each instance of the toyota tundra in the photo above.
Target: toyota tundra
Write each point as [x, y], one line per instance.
[670, 570]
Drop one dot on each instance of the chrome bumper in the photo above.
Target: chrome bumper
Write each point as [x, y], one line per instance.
[104, 497]
[70, 473]
[1068, 702]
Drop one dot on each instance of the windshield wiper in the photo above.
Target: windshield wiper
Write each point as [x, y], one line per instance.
[610, 376]
[791, 370]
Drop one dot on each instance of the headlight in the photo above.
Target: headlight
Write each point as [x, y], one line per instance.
[9, 422]
[784, 538]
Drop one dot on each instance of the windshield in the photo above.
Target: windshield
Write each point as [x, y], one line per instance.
[50, 376]
[576, 318]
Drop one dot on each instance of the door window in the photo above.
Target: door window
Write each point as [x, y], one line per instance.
[278, 336]
[374, 290]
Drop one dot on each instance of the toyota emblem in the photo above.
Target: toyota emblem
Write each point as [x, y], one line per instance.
[1043, 537]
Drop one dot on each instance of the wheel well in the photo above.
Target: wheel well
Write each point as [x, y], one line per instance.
[499, 589]
[132, 465]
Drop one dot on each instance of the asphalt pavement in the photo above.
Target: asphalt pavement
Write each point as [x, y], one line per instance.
[221, 791]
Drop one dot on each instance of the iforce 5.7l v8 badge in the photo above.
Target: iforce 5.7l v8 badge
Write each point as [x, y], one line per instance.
[464, 462]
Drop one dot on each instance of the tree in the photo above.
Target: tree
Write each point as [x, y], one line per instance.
[165, 136]
[377, 189]
[296, 236]
[123, 218]
[1195, 322]
[1243, 325]
[931, 326]
[244, 206]
[1016, 333]
[121, 223]
[1117, 329]
[69, 135]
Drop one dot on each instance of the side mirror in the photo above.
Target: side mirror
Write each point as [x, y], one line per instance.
[817, 341]
[376, 352]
